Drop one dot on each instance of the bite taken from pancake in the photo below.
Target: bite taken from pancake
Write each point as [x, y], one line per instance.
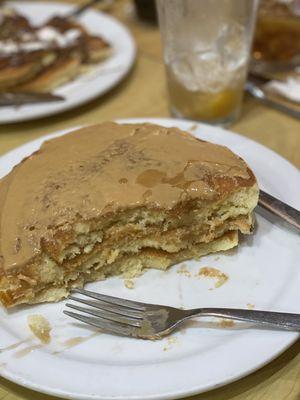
[116, 199]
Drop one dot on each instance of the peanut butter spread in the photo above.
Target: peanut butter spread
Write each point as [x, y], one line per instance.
[102, 169]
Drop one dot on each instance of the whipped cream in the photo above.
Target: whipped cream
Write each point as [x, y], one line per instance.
[41, 39]
[48, 34]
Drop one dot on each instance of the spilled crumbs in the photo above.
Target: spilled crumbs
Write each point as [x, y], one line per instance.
[129, 283]
[40, 327]
[206, 272]
[183, 270]
[171, 341]
[226, 323]
[210, 272]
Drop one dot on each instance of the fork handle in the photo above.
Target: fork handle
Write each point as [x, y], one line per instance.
[79, 10]
[281, 320]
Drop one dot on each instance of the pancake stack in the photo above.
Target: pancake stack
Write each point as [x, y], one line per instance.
[39, 59]
[115, 199]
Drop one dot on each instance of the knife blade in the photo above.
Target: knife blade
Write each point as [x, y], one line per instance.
[19, 98]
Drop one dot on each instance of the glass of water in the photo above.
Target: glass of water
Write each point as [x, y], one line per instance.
[206, 47]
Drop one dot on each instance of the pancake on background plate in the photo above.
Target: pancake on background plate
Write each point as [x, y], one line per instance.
[39, 59]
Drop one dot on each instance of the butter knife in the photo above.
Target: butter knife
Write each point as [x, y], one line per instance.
[19, 98]
[257, 92]
[280, 209]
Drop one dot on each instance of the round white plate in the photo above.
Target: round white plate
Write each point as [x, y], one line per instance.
[86, 87]
[263, 271]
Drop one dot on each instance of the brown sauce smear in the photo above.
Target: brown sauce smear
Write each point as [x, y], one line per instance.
[75, 341]
[24, 352]
[166, 161]
[13, 346]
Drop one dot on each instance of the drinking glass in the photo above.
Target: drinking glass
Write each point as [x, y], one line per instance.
[206, 48]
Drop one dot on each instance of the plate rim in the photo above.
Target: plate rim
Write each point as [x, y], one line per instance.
[288, 341]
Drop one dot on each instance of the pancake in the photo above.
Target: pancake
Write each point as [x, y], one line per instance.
[97, 49]
[13, 75]
[115, 199]
[62, 71]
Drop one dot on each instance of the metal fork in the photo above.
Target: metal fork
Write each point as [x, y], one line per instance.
[152, 321]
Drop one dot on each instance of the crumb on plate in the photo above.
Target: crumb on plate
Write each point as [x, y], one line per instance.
[183, 270]
[170, 341]
[129, 283]
[226, 323]
[40, 327]
[210, 272]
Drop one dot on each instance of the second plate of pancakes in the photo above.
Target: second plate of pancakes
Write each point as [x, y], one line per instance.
[99, 77]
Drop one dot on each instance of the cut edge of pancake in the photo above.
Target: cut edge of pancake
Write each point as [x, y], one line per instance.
[128, 248]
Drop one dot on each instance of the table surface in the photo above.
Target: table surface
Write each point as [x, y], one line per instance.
[145, 87]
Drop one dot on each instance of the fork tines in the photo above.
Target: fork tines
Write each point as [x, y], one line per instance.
[112, 314]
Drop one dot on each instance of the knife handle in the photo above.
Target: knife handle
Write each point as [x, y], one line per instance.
[279, 208]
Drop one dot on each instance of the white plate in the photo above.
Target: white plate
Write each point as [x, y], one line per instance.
[86, 87]
[263, 270]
